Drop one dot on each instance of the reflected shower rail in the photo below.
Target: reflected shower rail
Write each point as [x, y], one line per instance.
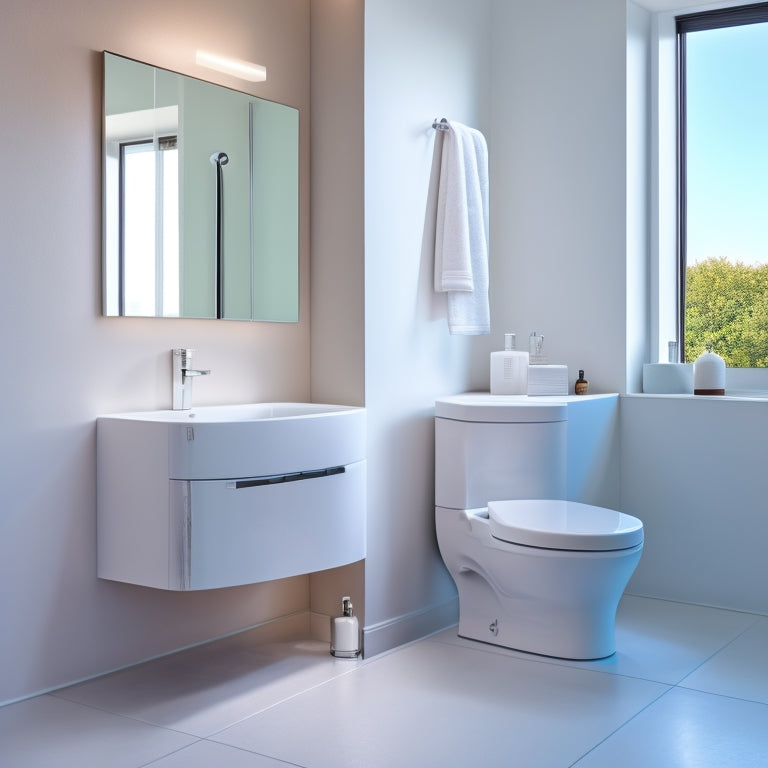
[219, 159]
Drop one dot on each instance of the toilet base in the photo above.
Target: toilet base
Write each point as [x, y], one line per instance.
[557, 603]
[586, 640]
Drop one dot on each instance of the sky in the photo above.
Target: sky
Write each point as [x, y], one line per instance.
[727, 144]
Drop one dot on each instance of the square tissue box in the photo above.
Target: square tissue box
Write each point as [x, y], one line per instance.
[547, 379]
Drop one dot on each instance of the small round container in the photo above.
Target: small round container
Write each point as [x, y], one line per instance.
[709, 374]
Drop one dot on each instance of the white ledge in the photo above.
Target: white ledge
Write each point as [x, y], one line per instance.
[735, 395]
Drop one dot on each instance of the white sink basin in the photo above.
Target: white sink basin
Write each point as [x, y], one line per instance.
[242, 412]
[246, 440]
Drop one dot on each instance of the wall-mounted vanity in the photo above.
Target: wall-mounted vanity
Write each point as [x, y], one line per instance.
[225, 495]
[184, 235]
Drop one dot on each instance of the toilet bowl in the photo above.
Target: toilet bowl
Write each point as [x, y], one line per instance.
[534, 572]
[532, 593]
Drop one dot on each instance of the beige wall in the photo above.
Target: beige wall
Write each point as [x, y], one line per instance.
[63, 364]
[337, 290]
[338, 274]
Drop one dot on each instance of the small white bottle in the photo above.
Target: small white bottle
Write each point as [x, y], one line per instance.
[345, 633]
[509, 369]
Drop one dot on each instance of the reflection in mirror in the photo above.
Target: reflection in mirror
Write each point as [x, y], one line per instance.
[185, 236]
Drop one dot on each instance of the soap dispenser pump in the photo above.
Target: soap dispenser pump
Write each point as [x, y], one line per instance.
[509, 369]
[345, 634]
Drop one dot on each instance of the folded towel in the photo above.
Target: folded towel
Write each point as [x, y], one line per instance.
[461, 230]
[453, 265]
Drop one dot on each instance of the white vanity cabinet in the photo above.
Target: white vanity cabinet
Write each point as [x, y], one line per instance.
[191, 500]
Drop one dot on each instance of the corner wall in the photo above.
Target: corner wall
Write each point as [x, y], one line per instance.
[64, 364]
[338, 268]
[423, 60]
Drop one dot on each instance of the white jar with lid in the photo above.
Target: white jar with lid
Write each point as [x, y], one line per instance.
[709, 374]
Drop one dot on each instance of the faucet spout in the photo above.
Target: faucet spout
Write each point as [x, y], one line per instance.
[182, 378]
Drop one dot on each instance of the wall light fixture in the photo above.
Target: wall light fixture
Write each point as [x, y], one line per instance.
[245, 70]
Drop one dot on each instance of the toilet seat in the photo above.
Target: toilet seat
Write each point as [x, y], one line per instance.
[565, 525]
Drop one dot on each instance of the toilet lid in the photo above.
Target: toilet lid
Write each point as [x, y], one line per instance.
[563, 525]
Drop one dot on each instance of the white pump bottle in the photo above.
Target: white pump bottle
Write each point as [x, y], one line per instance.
[509, 369]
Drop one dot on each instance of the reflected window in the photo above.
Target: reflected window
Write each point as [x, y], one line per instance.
[149, 227]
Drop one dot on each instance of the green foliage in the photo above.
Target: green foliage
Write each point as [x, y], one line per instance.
[727, 307]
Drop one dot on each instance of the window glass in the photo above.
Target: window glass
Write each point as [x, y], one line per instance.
[724, 192]
[150, 231]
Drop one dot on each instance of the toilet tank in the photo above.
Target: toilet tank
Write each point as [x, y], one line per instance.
[491, 448]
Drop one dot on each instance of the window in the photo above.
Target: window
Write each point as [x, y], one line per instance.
[723, 184]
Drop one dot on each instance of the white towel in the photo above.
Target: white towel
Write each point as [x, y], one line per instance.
[461, 231]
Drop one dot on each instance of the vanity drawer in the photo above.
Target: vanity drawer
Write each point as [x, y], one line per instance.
[231, 532]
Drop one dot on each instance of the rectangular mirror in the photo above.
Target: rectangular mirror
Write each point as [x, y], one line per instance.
[201, 198]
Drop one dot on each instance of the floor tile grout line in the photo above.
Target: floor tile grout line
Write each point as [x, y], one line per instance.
[260, 754]
[718, 651]
[623, 725]
[132, 718]
[156, 760]
[670, 689]
[362, 664]
[721, 695]
[262, 710]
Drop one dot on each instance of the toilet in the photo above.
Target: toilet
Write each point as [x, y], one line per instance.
[534, 571]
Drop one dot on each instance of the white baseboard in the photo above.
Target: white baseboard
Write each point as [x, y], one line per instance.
[392, 633]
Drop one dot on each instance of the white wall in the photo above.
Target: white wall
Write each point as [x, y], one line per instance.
[63, 364]
[423, 60]
[693, 469]
[558, 182]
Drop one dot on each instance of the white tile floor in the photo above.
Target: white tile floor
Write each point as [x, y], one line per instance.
[687, 688]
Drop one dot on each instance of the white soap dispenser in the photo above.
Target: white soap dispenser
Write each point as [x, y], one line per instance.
[509, 369]
[345, 634]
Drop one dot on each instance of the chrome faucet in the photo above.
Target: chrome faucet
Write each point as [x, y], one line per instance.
[182, 378]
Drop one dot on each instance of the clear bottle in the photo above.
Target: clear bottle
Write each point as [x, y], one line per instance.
[509, 369]
[536, 349]
[582, 385]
